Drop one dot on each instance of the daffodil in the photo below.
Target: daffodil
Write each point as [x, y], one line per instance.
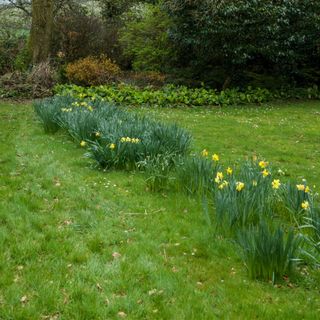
[123, 139]
[229, 171]
[305, 205]
[128, 139]
[301, 187]
[98, 134]
[307, 189]
[223, 184]
[135, 140]
[239, 186]
[204, 153]
[219, 177]
[215, 157]
[112, 146]
[276, 184]
[263, 164]
[83, 143]
[265, 173]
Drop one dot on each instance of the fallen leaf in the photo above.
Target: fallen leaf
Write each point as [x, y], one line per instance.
[122, 314]
[152, 292]
[116, 255]
[24, 299]
[99, 287]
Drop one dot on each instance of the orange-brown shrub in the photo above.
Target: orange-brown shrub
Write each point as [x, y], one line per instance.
[92, 71]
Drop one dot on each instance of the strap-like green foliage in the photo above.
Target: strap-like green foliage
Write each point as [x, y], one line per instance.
[268, 254]
[116, 138]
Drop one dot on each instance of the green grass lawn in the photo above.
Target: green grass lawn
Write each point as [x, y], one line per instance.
[78, 243]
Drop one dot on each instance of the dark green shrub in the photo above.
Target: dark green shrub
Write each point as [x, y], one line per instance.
[278, 38]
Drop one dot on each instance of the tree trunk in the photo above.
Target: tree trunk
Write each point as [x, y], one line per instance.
[41, 30]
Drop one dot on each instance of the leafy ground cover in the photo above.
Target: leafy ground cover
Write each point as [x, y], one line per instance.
[76, 243]
[173, 96]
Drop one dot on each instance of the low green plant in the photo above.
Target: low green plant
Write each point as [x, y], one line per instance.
[269, 253]
[173, 96]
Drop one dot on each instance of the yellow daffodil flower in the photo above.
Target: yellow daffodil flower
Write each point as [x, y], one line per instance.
[219, 177]
[301, 187]
[83, 143]
[307, 189]
[276, 184]
[215, 157]
[263, 164]
[135, 140]
[223, 184]
[112, 146]
[229, 171]
[265, 173]
[239, 186]
[204, 153]
[98, 134]
[305, 205]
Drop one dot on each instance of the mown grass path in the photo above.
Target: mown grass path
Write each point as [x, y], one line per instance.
[76, 243]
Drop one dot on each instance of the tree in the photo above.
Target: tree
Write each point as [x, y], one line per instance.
[41, 30]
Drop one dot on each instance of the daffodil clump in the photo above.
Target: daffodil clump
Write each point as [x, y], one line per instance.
[112, 137]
